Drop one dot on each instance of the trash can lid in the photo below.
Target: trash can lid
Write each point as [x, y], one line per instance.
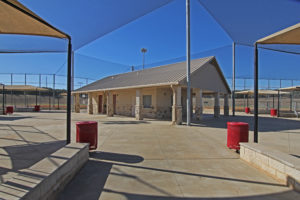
[86, 122]
[237, 123]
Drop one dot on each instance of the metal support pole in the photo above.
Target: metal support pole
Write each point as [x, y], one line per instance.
[233, 79]
[11, 92]
[72, 77]
[69, 82]
[25, 97]
[54, 91]
[273, 101]
[255, 94]
[40, 85]
[278, 104]
[3, 99]
[36, 93]
[247, 100]
[188, 60]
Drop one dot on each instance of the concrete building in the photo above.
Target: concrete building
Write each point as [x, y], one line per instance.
[158, 92]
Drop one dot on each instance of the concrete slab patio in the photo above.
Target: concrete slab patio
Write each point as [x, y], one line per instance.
[152, 159]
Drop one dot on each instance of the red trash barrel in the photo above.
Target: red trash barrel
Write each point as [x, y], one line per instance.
[87, 132]
[237, 132]
[37, 108]
[273, 112]
[9, 109]
[247, 110]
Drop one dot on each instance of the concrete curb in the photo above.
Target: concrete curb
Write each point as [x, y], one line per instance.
[281, 166]
[45, 179]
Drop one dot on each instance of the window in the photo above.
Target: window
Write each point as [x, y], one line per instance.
[147, 101]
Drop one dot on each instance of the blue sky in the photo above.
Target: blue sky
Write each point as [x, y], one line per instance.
[162, 32]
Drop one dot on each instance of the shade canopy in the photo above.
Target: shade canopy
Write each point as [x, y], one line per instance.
[24, 88]
[86, 21]
[15, 18]
[290, 35]
[247, 21]
[290, 89]
[261, 92]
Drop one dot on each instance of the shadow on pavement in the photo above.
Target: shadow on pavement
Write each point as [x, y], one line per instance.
[131, 196]
[125, 122]
[124, 158]
[12, 118]
[15, 158]
[90, 181]
[266, 124]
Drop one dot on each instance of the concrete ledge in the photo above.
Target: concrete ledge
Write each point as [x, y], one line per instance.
[47, 177]
[283, 167]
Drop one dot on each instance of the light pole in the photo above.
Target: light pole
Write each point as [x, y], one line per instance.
[143, 50]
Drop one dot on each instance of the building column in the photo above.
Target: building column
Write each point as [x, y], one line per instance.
[226, 105]
[109, 104]
[176, 107]
[77, 103]
[138, 105]
[95, 103]
[217, 105]
[104, 104]
[199, 104]
[90, 103]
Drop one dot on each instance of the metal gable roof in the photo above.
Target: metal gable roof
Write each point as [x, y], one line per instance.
[162, 75]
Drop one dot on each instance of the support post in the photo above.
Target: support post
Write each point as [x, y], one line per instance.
[278, 104]
[77, 103]
[233, 80]
[188, 60]
[138, 105]
[176, 107]
[217, 105]
[95, 102]
[40, 85]
[90, 103]
[3, 99]
[255, 93]
[226, 105]
[11, 92]
[110, 106]
[53, 103]
[69, 80]
[36, 93]
[199, 104]
[72, 77]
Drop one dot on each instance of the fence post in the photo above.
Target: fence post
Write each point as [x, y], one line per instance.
[54, 91]
[11, 92]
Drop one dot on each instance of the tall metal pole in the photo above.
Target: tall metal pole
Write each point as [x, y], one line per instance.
[72, 78]
[11, 92]
[188, 64]
[53, 91]
[143, 50]
[69, 85]
[278, 104]
[3, 99]
[255, 93]
[40, 85]
[25, 97]
[233, 79]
